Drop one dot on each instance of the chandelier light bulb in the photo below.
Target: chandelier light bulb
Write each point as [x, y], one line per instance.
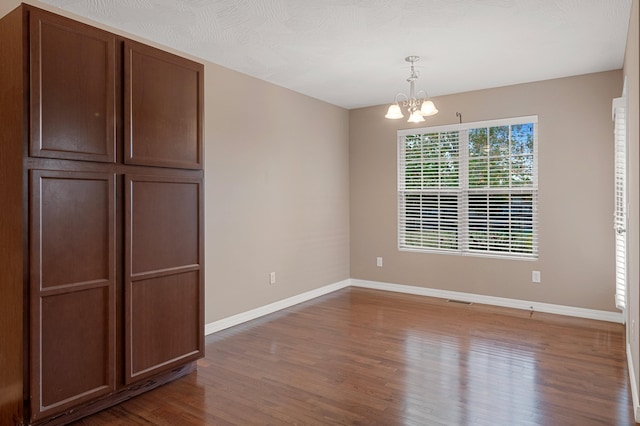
[428, 109]
[415, 117]
[394, 112]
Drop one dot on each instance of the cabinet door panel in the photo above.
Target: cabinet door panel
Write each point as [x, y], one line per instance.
[75, 344]
[72, 89]
[75, 238]
[164, 274]
[72, 291]
[165, 225]
[163, 108]
[164, 315]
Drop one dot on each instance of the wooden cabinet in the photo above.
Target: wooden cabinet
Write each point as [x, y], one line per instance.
[101, 234]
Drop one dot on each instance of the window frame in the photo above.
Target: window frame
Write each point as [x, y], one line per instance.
[464, 190]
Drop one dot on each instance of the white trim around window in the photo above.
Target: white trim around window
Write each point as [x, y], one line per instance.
[470, 188]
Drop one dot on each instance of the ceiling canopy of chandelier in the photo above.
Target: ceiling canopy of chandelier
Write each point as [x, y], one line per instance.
[418, 104]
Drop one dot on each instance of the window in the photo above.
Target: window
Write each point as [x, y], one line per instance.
[620, 212]
[469, 188]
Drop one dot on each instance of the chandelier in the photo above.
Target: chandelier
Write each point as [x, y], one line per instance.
[418, 104]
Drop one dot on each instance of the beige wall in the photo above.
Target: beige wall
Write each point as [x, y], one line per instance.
[276, 189]
[576, 255]
[632, 74]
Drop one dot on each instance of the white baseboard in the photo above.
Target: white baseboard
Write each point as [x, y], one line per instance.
[272, 307]
[634, 388]
[421, 291]
[491, 300]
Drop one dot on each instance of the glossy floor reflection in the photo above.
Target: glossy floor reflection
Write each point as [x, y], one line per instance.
[364, 357]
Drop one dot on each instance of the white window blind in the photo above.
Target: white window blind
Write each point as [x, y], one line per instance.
[469, 188]
[620, 199]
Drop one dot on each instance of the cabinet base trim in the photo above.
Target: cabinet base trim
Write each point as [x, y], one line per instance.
[119, 396]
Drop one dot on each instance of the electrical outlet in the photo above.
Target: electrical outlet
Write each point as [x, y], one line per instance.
[379, 262]
[272, 278]
[535, 276]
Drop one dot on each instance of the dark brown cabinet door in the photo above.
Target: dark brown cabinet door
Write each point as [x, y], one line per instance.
[73, 77]
[163, 274]
[73, 289]
[163, 108]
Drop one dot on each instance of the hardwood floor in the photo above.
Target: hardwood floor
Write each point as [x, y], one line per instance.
[366, 357]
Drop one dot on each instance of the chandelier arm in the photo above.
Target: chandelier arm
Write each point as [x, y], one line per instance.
[421, 94]
[404, 101]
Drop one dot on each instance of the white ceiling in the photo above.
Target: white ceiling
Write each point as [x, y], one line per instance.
[351, 52]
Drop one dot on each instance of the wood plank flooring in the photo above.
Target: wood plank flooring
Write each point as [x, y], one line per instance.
[366, 357]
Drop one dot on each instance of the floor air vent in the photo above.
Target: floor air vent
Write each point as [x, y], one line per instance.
[462, 302]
